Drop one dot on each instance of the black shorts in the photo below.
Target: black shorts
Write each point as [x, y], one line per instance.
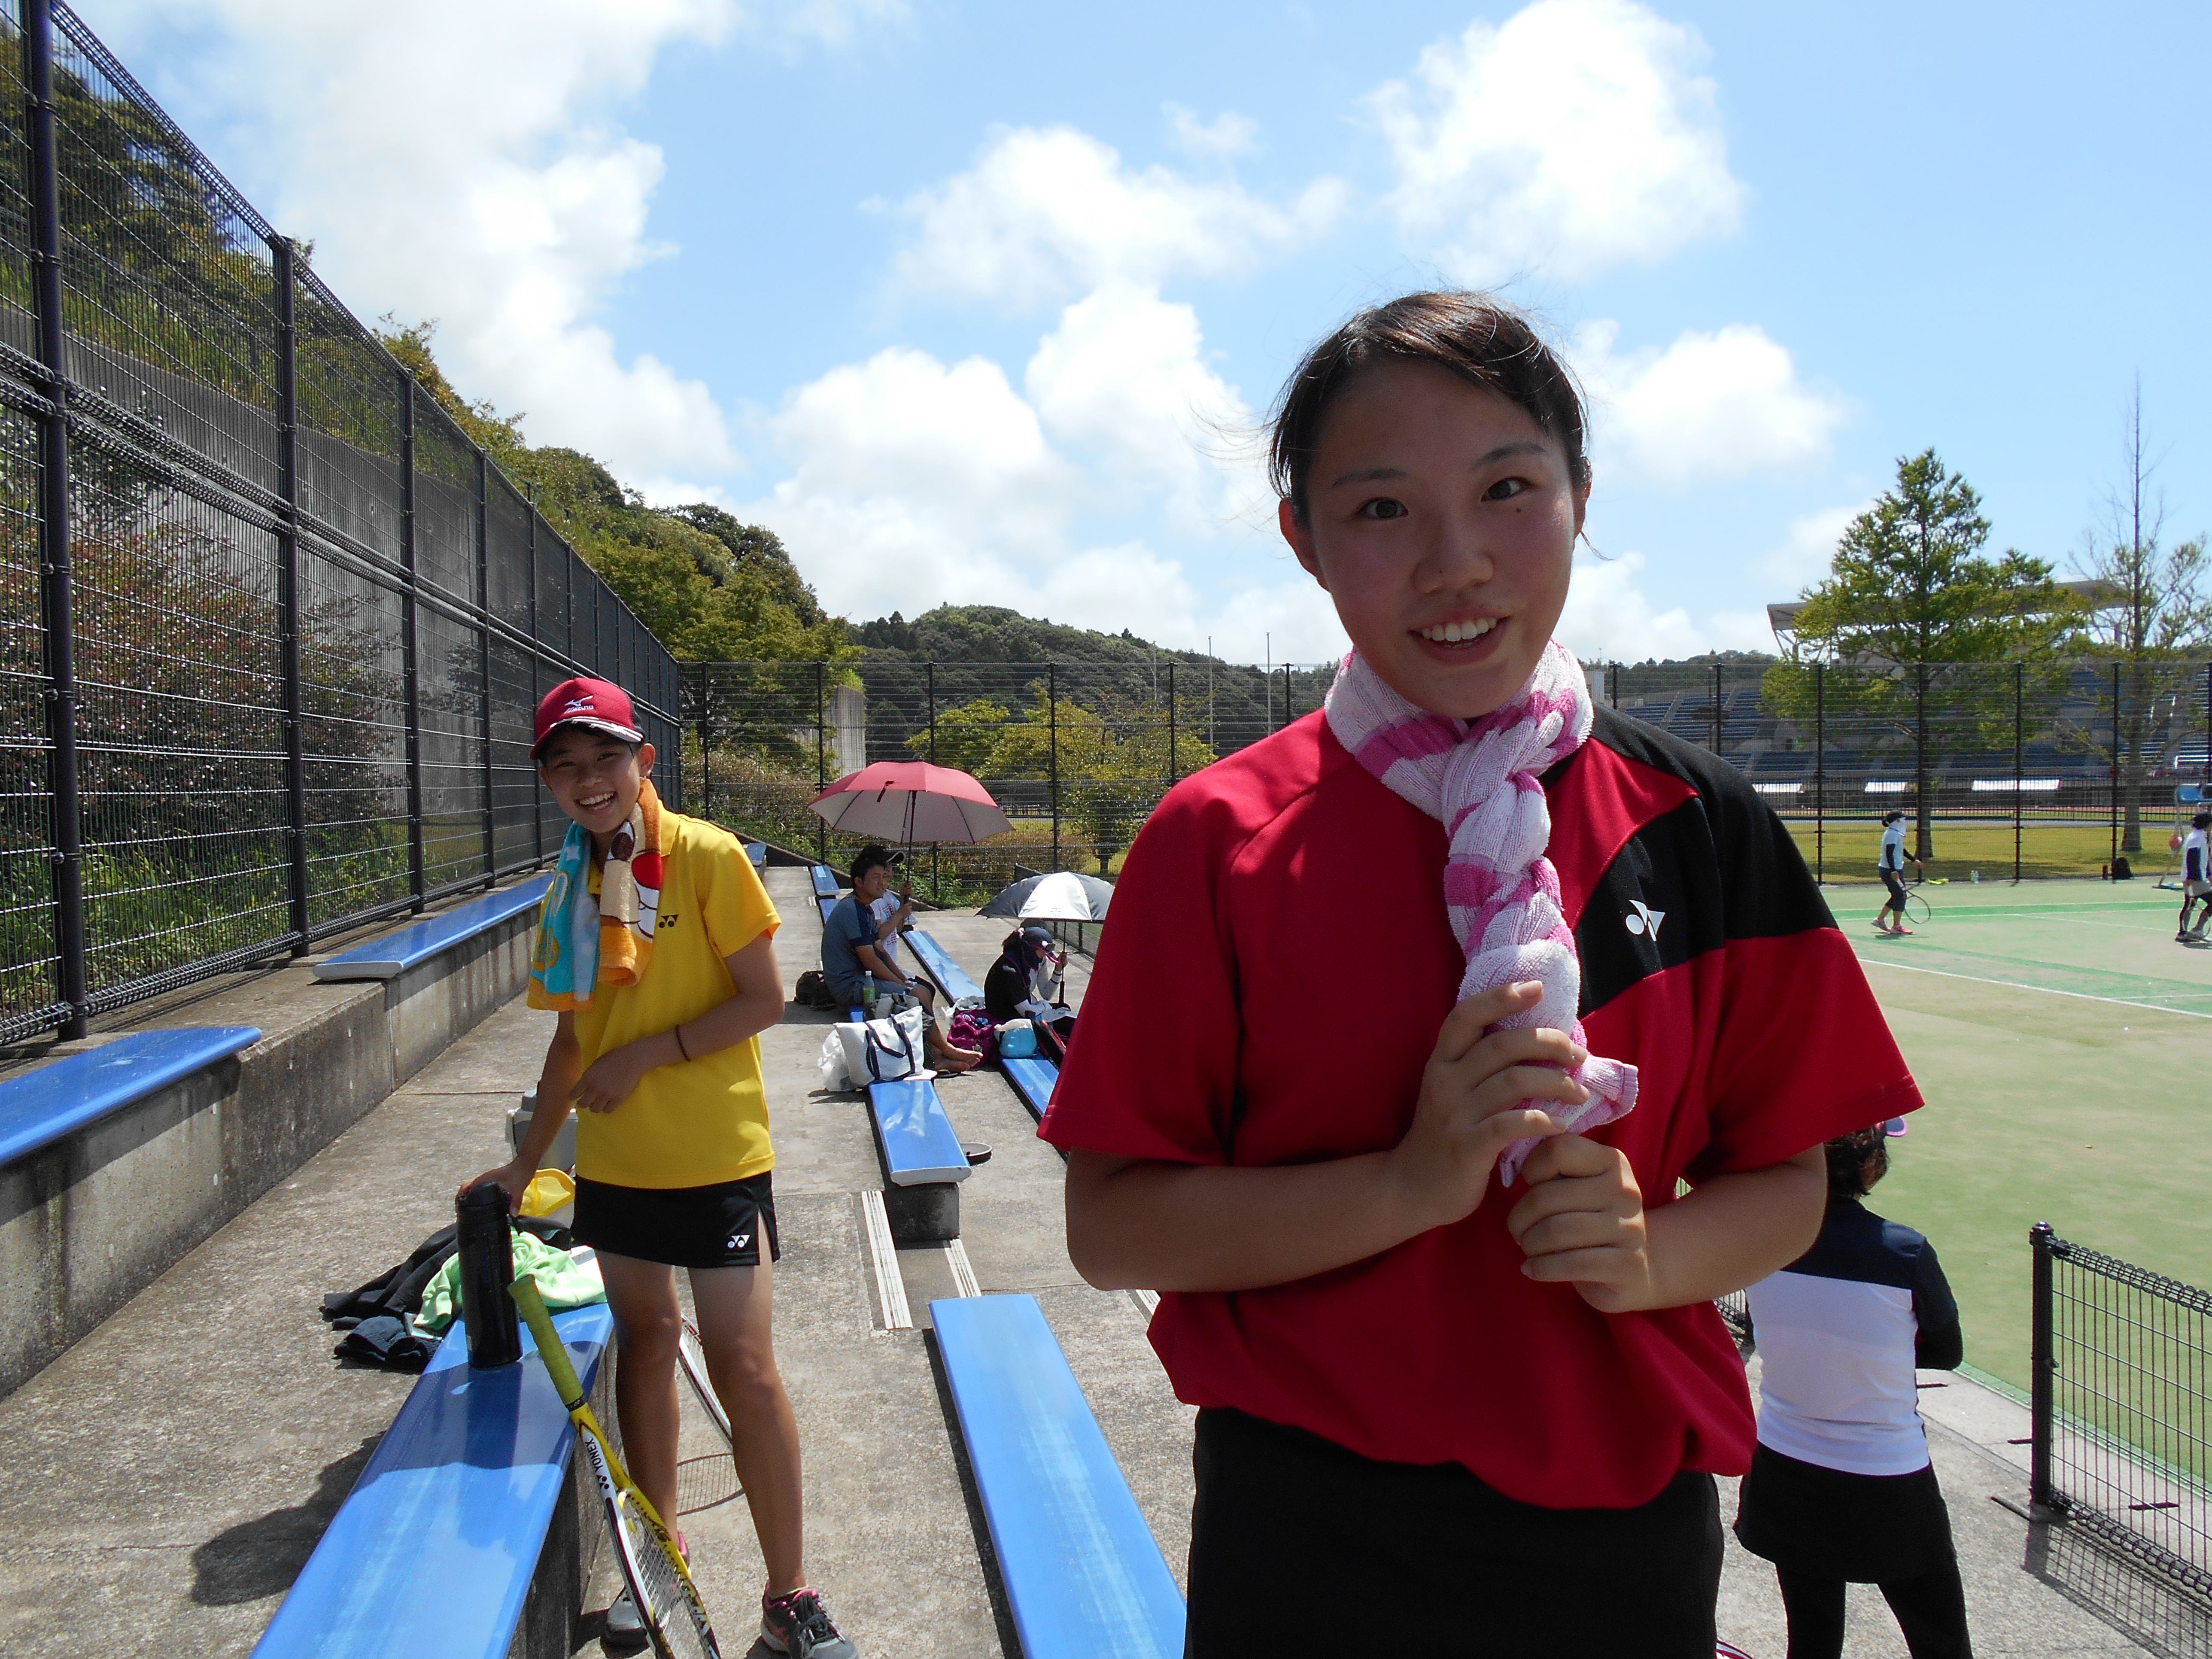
[1894, 880]
[1866, 1528]
[720, 1226]
[1299, 1546]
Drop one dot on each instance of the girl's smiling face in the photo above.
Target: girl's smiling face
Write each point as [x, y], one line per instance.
[1441, 519]
[595, 778]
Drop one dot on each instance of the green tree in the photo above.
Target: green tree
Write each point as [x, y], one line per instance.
[1912, 603]
[2153, 616]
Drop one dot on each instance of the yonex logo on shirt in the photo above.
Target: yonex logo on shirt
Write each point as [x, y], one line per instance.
[1645, 922]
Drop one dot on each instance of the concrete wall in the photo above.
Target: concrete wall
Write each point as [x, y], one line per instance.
[89, 1221]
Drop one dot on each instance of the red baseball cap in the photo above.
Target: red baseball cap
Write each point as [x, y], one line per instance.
[589, 703]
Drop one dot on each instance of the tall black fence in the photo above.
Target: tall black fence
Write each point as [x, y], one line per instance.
[1078, 753]
[2121, 1397]
[272, 629]
[2009, 769]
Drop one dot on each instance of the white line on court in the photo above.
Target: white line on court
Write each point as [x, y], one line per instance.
[2021, 984]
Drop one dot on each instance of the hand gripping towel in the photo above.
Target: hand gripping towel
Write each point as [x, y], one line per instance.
[589, 941]
[1479, 778]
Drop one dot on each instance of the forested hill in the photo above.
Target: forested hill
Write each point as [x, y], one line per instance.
[990, 633]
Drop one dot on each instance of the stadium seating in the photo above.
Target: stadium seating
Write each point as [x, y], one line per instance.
[757, 851]
[37, 1107]
[436, 1548]
[1034, 1079]
[922, 1160]
[394, 953]
[1084, 1576]
[937, 962]
[825, 880]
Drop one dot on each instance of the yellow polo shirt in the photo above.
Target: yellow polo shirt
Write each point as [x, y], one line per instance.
[705, 1123]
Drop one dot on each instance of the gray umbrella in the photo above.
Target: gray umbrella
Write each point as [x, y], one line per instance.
[1063, 896]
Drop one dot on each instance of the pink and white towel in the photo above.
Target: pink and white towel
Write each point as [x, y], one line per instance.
[1479, 778]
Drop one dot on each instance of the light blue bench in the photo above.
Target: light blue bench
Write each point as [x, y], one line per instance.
[825, 880]
[937, 962]
[921, 1159]
[757, 851]
[1084, 1576]
[1034, 1079]
[434, 1548]
[396, 952]
[39, 1108]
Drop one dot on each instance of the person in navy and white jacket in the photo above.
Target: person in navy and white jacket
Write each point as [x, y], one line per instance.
[1841, 1489]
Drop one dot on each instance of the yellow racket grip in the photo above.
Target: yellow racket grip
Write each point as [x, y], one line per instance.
[550, 1348]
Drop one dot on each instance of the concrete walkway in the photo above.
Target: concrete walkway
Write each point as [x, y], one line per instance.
[192, 1449]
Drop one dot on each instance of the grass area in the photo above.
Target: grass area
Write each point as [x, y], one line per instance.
[1849, 851]
[2063, 1042]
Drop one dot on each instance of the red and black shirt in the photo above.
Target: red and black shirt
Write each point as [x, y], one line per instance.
[1270, 991]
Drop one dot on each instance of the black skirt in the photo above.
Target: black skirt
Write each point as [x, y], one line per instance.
[1299, 1546]
[719, 1226]
[1864, 1528]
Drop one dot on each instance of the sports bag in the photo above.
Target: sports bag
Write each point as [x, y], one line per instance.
[813, 990]
[875, 1051]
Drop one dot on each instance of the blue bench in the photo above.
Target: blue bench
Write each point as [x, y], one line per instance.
[1084, 1576]
[39, 1108]
[825, 880]
[921, 1159]
[1034, 1079]
[825, 905]
[757, 851]
[937, 962]
[395, 953]
[434, 1548]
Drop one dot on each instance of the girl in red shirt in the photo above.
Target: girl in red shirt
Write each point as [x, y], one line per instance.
[1360, 969]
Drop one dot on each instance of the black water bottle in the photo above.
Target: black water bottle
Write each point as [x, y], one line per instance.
[487, 1269]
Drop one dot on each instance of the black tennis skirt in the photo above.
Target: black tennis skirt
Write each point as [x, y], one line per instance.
[719, 1226]
[1866, 1528]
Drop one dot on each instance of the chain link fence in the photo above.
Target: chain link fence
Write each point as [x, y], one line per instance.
[1077, 754]
[272, 629]
[2010, 770]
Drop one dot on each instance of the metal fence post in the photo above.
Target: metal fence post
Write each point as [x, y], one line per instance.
[1052, 717]
[2111, 868]
[706, 742]
[1819, 773]
[1174, 772]
[483, 666]
[56, 604]
[821, 758]
[1924, 842]
[287, 591]
[2042, 1366]
[2019, 751]
[530, 566]
[929, 679]
[411, 679]
[1716, 710]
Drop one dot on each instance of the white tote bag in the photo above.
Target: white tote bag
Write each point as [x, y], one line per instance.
[877, 1051]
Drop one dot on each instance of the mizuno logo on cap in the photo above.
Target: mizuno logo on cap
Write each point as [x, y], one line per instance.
[1645, 922]
[575, 703]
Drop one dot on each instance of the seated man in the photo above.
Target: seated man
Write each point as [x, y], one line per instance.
[859, 953]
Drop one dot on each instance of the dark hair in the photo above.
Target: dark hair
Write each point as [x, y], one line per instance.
[1482, 340]
[867, 859]
[1857, 1161]
[2201, 821]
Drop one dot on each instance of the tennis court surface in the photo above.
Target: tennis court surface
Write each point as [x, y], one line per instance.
[2063, 1041]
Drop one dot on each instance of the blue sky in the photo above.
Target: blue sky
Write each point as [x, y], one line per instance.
[983, 302]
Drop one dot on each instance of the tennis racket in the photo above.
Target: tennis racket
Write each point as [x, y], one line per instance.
[1915, 906]
[695, 1368]
[659, 1583]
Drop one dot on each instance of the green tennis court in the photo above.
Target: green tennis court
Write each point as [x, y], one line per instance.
[2063, 1041]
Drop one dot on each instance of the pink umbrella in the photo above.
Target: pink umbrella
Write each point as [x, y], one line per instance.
[911, 801]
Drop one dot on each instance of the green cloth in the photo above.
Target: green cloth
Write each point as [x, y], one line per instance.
[562, 1280]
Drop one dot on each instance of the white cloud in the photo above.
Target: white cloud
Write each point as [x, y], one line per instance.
[1807, 549]
[1049, 212]
[480, 179]
[1609, 616]
[1125, 378]
[1228, 134]
[1575, 136]
[1715, 405]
